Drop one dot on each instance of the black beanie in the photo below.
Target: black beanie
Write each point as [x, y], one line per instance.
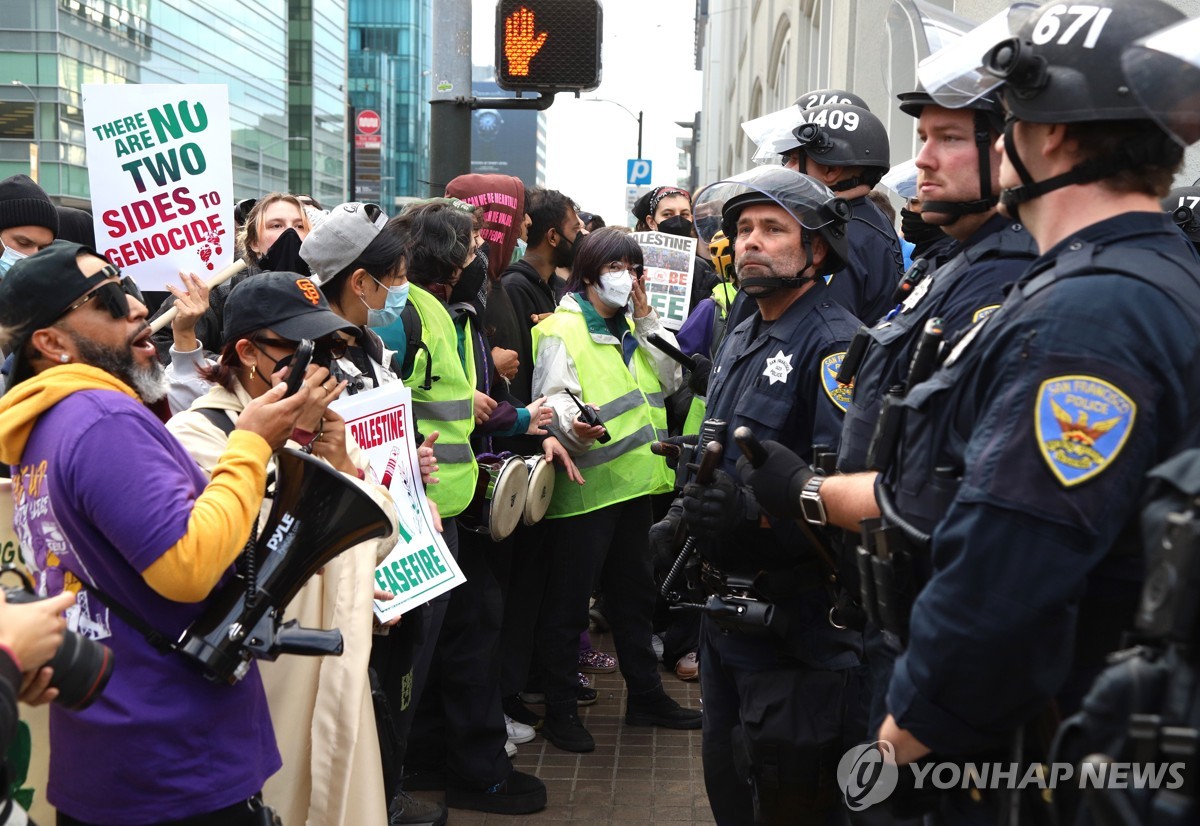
[24, 203]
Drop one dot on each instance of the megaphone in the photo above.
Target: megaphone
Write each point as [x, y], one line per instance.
[317, 514]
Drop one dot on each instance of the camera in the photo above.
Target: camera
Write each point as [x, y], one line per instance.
[82, 667]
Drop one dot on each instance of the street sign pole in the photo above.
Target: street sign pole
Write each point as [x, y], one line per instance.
[450, 106]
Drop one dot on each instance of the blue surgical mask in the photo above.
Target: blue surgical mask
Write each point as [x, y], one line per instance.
[10, 257]
[389, 313]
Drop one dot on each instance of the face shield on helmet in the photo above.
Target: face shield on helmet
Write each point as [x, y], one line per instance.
[1164, 72]
[955, 76]
[902, 179]
[810, 203]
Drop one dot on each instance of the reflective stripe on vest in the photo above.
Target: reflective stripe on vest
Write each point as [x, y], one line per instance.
[633, 412]
[448, 407]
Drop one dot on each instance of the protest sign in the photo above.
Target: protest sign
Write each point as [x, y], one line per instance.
[160, 169]
[670, 263]
[420, 567]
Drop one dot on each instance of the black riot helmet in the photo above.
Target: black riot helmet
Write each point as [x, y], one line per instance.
[840, 134]
[812, 204]
[1183, 205]
[820, 97]
[1063, 66]
[989, 123]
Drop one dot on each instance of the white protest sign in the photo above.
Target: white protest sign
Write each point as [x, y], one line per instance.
[420, 567]
[160, 168]
[670, 263]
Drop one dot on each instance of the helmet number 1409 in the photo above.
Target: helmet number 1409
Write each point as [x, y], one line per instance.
[1050, 22]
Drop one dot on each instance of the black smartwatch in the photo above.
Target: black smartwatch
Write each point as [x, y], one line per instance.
[810, 501]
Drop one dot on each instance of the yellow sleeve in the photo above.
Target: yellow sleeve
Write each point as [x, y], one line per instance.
[219, 524]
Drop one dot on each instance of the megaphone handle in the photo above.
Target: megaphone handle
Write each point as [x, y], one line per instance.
[312, 642]
[751, 447]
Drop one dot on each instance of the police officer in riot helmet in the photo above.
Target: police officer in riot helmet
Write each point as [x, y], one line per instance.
[957, 178]
[779, 677]
[1011, 502]
[846, 148]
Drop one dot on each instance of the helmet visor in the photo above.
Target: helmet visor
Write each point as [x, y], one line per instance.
[955, 76]
[772, 133]
[1164, 72]
[803, 197]
[902, 179]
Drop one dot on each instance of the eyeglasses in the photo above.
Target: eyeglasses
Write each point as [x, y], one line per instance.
[621, 266]
[113, 294]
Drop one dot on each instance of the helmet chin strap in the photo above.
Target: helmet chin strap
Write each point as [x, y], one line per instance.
[1085, 172]
[987, 200]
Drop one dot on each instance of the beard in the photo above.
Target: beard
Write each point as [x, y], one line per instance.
[149, 382]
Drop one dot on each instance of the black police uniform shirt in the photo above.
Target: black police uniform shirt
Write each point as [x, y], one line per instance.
[875, 266]
[777, 379]
[963, 291]
[1051, 411]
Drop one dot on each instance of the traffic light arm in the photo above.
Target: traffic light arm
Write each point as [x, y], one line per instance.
[541, 102]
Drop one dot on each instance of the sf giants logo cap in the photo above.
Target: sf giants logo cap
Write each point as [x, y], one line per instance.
[309, 290]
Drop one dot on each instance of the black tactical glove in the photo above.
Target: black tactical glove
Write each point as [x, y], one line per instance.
[663, 537]
[720, 507]
[698, 379]
[778, 481]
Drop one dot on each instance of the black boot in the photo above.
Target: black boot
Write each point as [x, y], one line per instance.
[655, 708]
[518, 794]
[563, 729]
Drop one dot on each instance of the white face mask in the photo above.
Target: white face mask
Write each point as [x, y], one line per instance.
[10, 257]
[615, 288]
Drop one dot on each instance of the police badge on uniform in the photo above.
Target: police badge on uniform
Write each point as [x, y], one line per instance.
[1082, 422]
[839, 394]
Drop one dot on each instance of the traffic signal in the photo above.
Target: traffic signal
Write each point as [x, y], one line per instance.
[548, 45]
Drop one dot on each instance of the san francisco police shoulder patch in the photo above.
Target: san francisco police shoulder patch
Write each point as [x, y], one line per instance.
[839, 394]
[984, 312]
[1081, 423]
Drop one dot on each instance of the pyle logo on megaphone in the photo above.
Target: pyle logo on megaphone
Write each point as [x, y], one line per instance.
[278, 542]
[867, 774]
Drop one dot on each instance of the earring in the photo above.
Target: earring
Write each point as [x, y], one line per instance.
[253, 368]
[64, 358]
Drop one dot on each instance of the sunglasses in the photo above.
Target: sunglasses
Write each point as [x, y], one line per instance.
[324, 350]
[114, 295]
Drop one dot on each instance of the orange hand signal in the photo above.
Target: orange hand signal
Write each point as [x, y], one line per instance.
[520, 43]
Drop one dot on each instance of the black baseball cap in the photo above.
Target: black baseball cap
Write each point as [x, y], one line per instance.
[288, 303]
[36, 292]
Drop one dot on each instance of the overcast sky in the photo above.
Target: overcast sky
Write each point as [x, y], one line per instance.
[648, 61]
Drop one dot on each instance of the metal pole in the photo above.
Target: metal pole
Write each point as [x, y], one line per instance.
[37, 126]
[261, 147]
[628, 111]
[450, 109]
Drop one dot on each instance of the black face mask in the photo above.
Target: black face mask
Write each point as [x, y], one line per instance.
[916, 231]
[471, 284]
[677, 225]
[284, 255]
[564, 253]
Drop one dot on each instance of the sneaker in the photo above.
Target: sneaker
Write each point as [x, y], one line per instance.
[518, 794]
[657, 709]
[597, 662]
[567, 732]
[518, 732]
[688, 667]
[517, 711]
[510, 748]
[406, 810]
